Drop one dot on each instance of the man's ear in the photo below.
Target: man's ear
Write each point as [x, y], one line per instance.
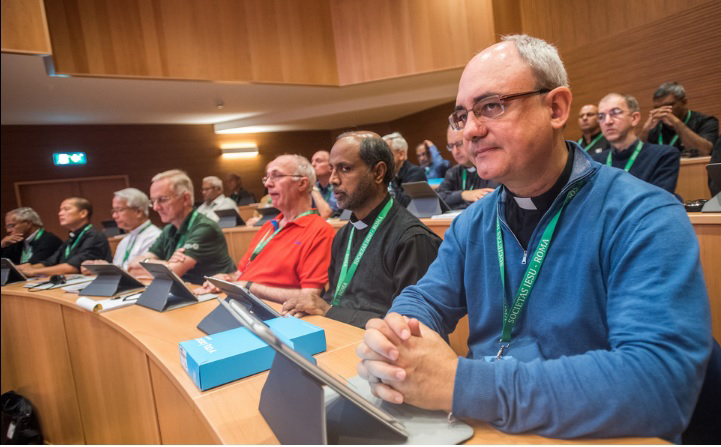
[635, 118]
[379, 171]
[559, 103]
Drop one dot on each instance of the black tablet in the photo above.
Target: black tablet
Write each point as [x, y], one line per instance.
[111, 280]
[10, 272]
[229, 218]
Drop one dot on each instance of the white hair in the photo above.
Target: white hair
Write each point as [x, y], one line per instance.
[179, 181]
[26, 214]
[135, 198]
[396, 141]
[543, 59]
[214, 182]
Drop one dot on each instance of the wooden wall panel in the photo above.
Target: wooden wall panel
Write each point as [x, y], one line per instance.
[140, 151]
[381, 39]
[24, 28]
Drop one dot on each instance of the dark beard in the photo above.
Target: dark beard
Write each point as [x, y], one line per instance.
[364, 192]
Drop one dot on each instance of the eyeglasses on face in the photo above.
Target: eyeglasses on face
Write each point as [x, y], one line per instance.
[457, 144]
[488, 107]
[121, 210]
[160, 200]
[613, 114]
[275, 177]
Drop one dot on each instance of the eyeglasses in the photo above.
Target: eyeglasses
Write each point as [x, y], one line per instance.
[160, 200]
[613, 114]
[488, 107]
[457, 144]
[121, 210]
[275, 177]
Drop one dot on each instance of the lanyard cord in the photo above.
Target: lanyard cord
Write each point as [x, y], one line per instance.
[268, 236]
[28, 251]
[590, 145]
[69, 248]
[675, 137]
[132, 242]
[630, 161]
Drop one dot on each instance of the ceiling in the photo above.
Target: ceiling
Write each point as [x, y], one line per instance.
[31, 97]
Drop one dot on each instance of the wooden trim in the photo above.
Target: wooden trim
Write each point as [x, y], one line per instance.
[66, 180]
[696, 160]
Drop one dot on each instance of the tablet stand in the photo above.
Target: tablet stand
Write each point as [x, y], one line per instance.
[713, 205]
[425, 207]
[9, 276]
[220, 319]
[164, 294]
[231, 221]
[294, 406]
[109, 284]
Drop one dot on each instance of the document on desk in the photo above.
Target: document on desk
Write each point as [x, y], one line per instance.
[99, 306]
[42, 285]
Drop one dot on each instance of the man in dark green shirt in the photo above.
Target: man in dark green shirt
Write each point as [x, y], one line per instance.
[192, 245]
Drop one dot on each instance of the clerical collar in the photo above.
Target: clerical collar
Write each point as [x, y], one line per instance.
[31, 237]
[470, 169]
[371, 217]
[625, 153]
[544, 201]
[78, 231]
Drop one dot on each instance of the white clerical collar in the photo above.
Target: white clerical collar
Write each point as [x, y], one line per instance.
[359, 225]
[525, 203]
[471, 169]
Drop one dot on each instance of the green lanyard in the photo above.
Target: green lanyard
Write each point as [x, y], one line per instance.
[464, 179]
[675, 137]
[181, 240]
[346, 274]
[328, 193]
[268, 237]
[69, 248]
[590, 145]
[28, 251]
[630, 161]
[529, 278]
[132, 243]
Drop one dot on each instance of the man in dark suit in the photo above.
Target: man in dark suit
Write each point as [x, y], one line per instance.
[27, 241]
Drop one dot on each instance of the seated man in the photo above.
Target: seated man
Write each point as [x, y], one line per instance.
[83, 244]
[610, 338]
[130, 212]
[431, 160]
[27, 241]
[658, 165]
[592, 140]
[671, 122]
[239, 195]
[192, 245]
[289, 255]
[322, 195]
[405, 171]
[383, 248]
[462, 185]
[213, 198]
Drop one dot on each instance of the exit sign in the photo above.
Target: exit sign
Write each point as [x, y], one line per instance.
[70, 158]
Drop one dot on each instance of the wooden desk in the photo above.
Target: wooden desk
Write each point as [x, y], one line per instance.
[693, 179]
[116, 377]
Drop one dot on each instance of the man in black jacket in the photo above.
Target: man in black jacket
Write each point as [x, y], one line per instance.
[382, 249]
[27, 241]
[405, 171]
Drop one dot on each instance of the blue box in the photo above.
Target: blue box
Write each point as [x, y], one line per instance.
[231, 355]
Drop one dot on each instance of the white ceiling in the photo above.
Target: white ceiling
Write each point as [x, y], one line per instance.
[31, 96]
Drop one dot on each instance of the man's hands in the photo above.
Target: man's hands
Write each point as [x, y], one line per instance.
[473, 195]
[208, 287]
[662, 114]
[12, 238]
[308, 302]
[85, 271]
[405, 361]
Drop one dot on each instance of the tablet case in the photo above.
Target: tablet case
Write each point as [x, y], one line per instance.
[424, 200]
[229, 218]
[9, 273]
[110, 281]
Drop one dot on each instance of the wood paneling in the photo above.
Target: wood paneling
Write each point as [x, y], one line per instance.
[24, 28]
[113, 384]
[693, 179]
[380, 39]
[36, 364]
[225, 40]
[708, 230]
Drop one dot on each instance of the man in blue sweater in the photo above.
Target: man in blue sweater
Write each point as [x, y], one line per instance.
[609, 338]
[656, 164]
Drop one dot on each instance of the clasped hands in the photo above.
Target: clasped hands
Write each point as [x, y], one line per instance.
[663, 114]
[405, 361]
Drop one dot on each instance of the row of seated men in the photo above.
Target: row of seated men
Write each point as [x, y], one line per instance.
[587, 308]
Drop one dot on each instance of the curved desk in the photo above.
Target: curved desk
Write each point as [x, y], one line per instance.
[116, 377]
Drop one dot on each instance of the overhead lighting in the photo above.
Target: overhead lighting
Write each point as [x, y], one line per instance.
[239, 149]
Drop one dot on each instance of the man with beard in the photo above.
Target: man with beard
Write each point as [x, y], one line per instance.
[382, 241]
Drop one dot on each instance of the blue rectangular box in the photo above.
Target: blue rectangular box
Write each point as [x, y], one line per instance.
[231, 355]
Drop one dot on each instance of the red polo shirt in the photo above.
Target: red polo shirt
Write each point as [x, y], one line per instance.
[297, 257]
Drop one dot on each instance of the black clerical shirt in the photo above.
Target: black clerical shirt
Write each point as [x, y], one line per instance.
[92, 245]
[523, 214]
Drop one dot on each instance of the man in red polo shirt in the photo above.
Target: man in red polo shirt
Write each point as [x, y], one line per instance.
[289, 255]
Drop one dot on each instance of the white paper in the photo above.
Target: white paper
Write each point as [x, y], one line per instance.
[105, 305]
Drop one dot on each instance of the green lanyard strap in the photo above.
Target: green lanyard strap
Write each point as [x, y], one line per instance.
[69, 248]
[346, 274]
[268, 236]
[590, 145]
[464, 178]
[181, 240]
[675, 137]
[28, 251]
[510, 317]
[132, 242]
[630, 161]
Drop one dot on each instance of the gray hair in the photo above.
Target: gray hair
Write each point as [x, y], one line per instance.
[397, 142]
[372, 150]
[543, 59]
[305, 169]
[26, 214]
[135, 198]
[670, 88]
[214, 181]
[631, 102]
[179, 181]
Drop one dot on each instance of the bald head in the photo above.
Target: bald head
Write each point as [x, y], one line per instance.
[321, 166]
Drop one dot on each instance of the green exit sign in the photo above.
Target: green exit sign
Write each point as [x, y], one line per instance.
[69, 158]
